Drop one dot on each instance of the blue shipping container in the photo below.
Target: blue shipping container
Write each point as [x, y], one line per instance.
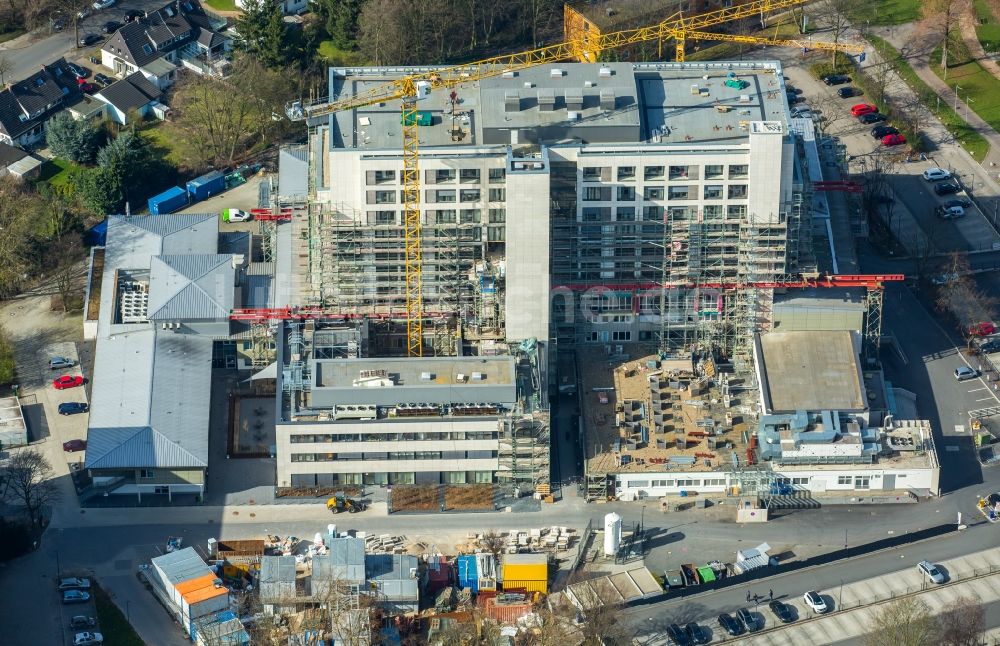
[204, 187]
[468, 576]
[168, 201]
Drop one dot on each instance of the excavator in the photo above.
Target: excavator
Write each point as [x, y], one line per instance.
[340, 502]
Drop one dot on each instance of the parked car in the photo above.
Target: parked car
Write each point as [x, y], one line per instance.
[871, 117]
[56, 363]
[893, 140]
[730, 625]
[89, 39]
[86, 88]
[82, 621]
[73, 408]
[836, 79]
[859, 109]
[103, 79]
[880, 131]
[801, 112]
[237, 215]
[75, 596]
[964, 373]
[792, 89]
[943, 279]
[696, 634]
[677, 635]
[815, 602]
[991, 346]
[748, 619]
[111, 27]
[74, 583]
[848, 92]
[936, 174]
[983, 328]
[962, 203]
[132, 14]
[103, 4]
[78, 71]
[87, 639]
[72, 446]
[949, 212]
[930, 571]
[947, 188]
[83, 13]
[67, 381]
[781, 611]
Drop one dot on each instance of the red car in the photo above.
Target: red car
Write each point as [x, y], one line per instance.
[862, 108]
[67, 381]
[984, 328]
[893, 140]
[72, 446]
[86, 88]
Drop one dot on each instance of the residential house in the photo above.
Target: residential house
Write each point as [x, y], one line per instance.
[21, 164]
[288, 7]
[180, 34]
[134, 92]
[27, 105]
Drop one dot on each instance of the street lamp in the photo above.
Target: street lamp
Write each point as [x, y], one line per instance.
[968, 100]
[957, 88]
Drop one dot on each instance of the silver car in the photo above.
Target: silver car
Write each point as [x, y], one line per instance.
[57, 363]
[930, 571]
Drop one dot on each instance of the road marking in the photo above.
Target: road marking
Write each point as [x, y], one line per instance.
[978, 390]
[952, 449]
[985, 399]
[959, 428]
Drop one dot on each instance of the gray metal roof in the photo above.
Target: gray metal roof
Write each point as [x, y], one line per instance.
[345, 562]
[182, 565]
[277, 578]
[293, 172]
[393, 574]
[191, 287]
[159, 380]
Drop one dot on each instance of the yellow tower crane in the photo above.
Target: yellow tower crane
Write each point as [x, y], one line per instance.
[410, 89]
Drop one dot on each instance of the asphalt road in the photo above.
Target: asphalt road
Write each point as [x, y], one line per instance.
[42, 49]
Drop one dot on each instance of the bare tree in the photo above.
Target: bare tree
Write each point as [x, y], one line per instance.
[28, 482]
[6, 67]
[68, 272]
[962, 623]
[905, 622]
[963, 299]
[941, 15]
[494, 543]
[837, 16]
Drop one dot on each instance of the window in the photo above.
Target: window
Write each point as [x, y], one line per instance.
[739, 171]
[626, 193]
[495, 234]
[737, 210]
[737, 191]
[862, 482]
[597, 193]
[498, 195]
[800, 481]
[482, 477]
[595, 173]
[652, 193]
[663, 483]
[712, 211]
[385, 197]
[145, 473]
[146, 48]
[713, 171]
[444, 196]
[498, 175]
[468, 176]
[715, 482]
[678, 193]
[843, 480]
[443, 176]
[653, 213]
[471, 216]
[385, 217]
[385, 176]
[621, 335]
[498, 216]
[713, 192]
[625, 214]
[652, 172]
[444, 217]
[689, 483]
[679, 172]
[469, 195]
[626, 173]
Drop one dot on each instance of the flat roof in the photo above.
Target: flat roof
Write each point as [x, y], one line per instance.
[629, 103]
[810, 371]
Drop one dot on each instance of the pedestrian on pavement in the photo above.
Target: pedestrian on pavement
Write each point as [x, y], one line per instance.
[748, 596]
[770, 595]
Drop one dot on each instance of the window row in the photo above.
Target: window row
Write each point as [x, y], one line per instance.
[394, 455]
[308, 438]
[859, 482]
[689, 192]
[678, 172]
[437, 196]
[390, 478]
[656, 213]
[444, 176]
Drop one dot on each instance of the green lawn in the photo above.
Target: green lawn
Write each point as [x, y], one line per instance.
[970, 140]
[11, 35]
[114, 626]
[336, 56]
[975, 83]
[222, 5]
[57, 172]
[165, 142]
[893, 12]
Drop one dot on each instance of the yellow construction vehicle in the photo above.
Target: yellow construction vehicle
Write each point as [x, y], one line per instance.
[340, 502]
[585, 46]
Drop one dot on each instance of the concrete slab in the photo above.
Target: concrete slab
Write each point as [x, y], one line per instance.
[812, 371]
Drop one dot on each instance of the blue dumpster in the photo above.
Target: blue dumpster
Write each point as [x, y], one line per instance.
[168, 201]
[204, 187]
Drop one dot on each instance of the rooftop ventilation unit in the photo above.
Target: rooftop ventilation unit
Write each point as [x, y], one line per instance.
[608, 99]
[509, 74]
[460, 377]
[479, 376]
[546, 100]
[511, 102]
[556, 72]
[574, 99]
[426, 376]
[572, 116]
[604, 72]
